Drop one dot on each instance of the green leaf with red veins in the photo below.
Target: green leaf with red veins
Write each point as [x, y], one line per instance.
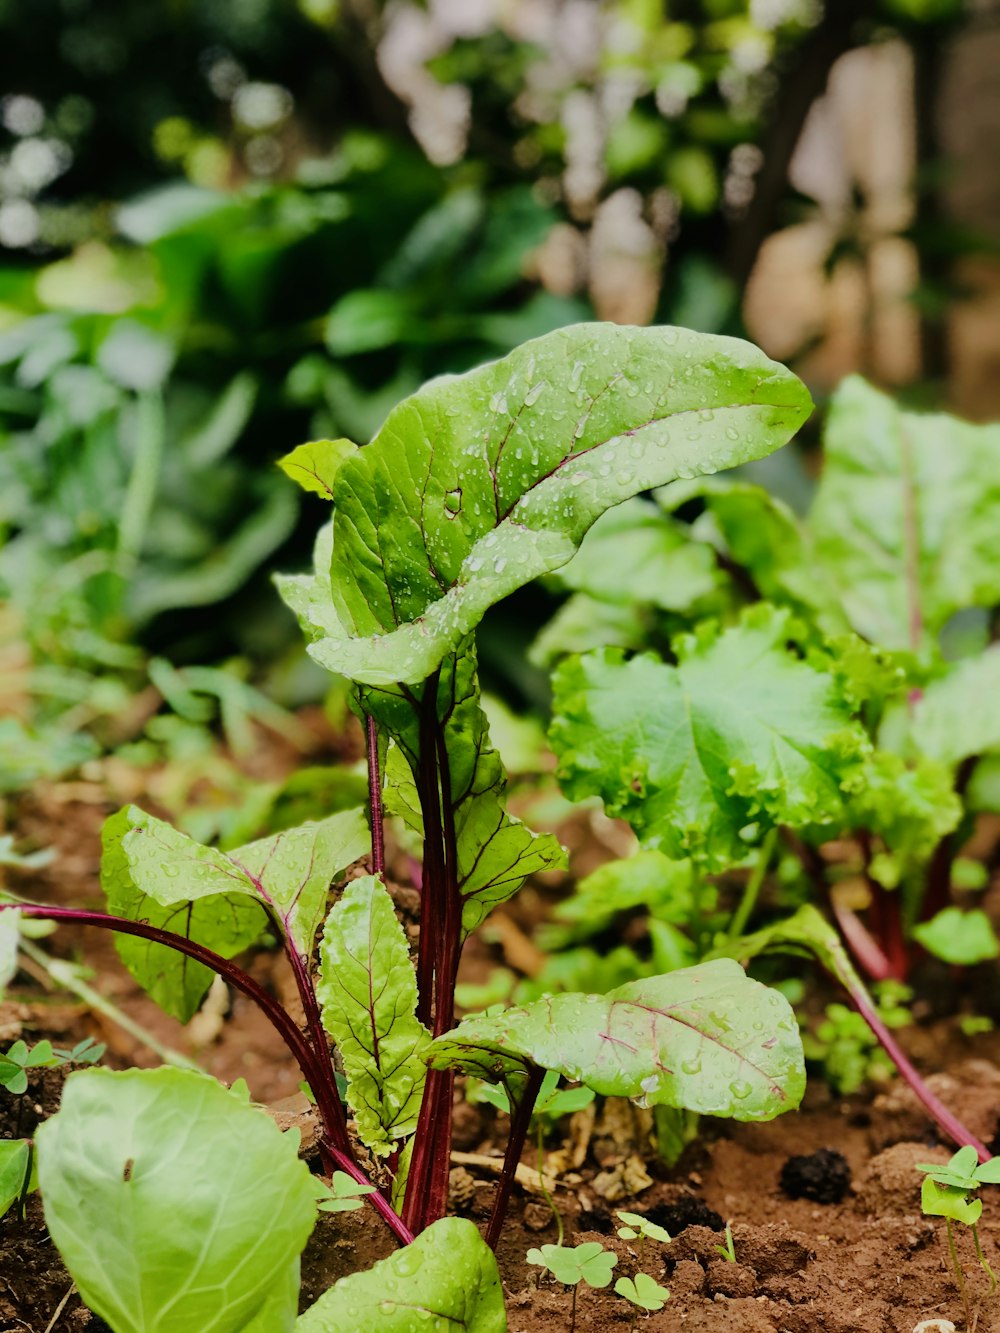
[446, 1281]
[314, 465]
[479, 483]
[367, 991]
[705, 1038]
[741, 730]
[907, 516]
[151, 872]
[496, 852]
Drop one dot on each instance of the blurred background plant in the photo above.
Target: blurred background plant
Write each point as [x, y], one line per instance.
[228, 227]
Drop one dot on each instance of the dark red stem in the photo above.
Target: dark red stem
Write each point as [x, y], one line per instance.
[939, 1113]
[866, 951]
[427, 1183]
[375, 797]
[519, 1125]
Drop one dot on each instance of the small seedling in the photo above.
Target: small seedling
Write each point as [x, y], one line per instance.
[343, 1194]
[641, 1228]
[946, 1192]
[643, 1291]
[19, 1058]
[589, 1262]
[728, 1250]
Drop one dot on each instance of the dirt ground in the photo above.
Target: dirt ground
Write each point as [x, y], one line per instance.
[855, 1257]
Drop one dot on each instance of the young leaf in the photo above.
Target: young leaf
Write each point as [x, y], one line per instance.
[638, 1225]
[15, 1159]
[589, 1262]
[958, 716]
[342, 1195]
[368, 994]
[479, 483]
[446, 1281]
[907, 515]
[645, 1292]
[706, 1038]
[152, 872]
[690, 754]
[944, 1201]
[314, 465]
[647, 879]
[173, 1203]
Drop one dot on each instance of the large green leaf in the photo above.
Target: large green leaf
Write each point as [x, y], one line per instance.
[174, 1204]
[446, 1281]
[706, 1038]
[958, 716]
[495, 851]
[740, 730]
[368, 994]
[481, 482]
[907, 515]
[153, 873]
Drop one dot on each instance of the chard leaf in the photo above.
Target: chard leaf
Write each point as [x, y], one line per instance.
[739, 730]
[705, 1038]
[759, 533]
[583, 622]
[648, 879]
[495, 851]
[174, 1204]
[368, 994]
[910, 807]
[151, 872]
[478, 483]
[636, 554]
[446, 1281]
[958, 716]
[907, 516]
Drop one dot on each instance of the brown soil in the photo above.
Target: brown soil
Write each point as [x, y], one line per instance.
[867, 1264]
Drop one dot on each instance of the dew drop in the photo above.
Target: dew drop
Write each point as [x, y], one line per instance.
[740, 1089]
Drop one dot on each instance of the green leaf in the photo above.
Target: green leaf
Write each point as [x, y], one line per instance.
[943, 1201]
[589, 1262]
[314, 465]
[645, 1291]
[446, 1281]
[759, 533]
[642, 1226]
[958, 716]
[481, 482]
[911, 807]
[151, 872]
[907, 516]
[15, 1160]
[961, 938]
[959, 1172]
[368, 994]
[740, 730]
[635, 554]
[343, 1194]
[174, 1204]
[496, 852]
[647, 880]
[706, 1038]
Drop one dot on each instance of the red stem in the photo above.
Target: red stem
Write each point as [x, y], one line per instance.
[945, 1120]
[866, 951]
[427, 1184]
[375, 796]
[519, 1125]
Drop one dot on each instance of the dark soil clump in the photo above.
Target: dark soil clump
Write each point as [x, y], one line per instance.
[823, 1176]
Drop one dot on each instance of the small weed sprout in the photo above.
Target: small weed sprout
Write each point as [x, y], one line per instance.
[946, 1192]
[589, 1262]
[643, 1291]
[728, 1250]
[641, 1228]
[342, 1195]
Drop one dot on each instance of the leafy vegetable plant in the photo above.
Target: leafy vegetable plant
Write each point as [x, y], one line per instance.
[474, 486]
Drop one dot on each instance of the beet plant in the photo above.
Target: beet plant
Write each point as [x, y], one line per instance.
[474, 486]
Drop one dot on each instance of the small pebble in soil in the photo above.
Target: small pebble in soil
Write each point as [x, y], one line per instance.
[822, 1176]
[687, 1211]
